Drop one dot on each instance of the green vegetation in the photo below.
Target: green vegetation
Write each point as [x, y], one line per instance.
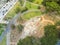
[13, 11]
[50, 37]
[29, 41]
[52, 5]
[20, 19]
[12, 26]
[2, 28]
[31, 0]
[24, 9]
[58, 28]
[58, 33]
[31, 14]
[3, 41]
[21, 2]
[20, 27]
[36, 1]
[31, 6]
[58, 23]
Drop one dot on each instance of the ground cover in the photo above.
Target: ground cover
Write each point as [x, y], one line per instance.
[13, 11]
[2, 28]
[36, 1]
[31, 6]
[22, 2]
[31, 14]
[3, 42]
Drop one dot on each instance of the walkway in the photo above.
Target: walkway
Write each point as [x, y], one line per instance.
[43, 19]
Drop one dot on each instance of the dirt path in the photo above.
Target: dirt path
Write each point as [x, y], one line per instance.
[44, 20]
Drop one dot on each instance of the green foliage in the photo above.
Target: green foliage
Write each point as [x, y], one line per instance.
[31, 14]
[58, 33]
[58, 28]
[20, 27]
[31, 0]
[51, 0]
[31, 6]
[29, 41]
[24, 9]
[52, 5]
[13, 12]
[36, 1]
[3, 42]
[50, 37]
[58, 23]
[17, 9]
[12, 26]
[2, 28]
[21, 2]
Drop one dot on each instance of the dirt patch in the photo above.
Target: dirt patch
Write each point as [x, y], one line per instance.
[44, 21]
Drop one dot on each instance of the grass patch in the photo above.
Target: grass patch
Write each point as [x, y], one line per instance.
[31, 6]
[36, 1]
[3, 41]
[2, 28]
[13, 11]
[31, 14]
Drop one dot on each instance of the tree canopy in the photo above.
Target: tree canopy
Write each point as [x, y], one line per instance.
[52, 5]
[29, 41]
[50, 37]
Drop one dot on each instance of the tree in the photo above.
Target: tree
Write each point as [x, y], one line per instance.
[17, 9]
[31, 0]
[24, 9]
[12, 26]
[58, 23]
[29, 41]
[52, 5]
[58, 28]
[50, 37]
[38, 1]
[59, 34]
